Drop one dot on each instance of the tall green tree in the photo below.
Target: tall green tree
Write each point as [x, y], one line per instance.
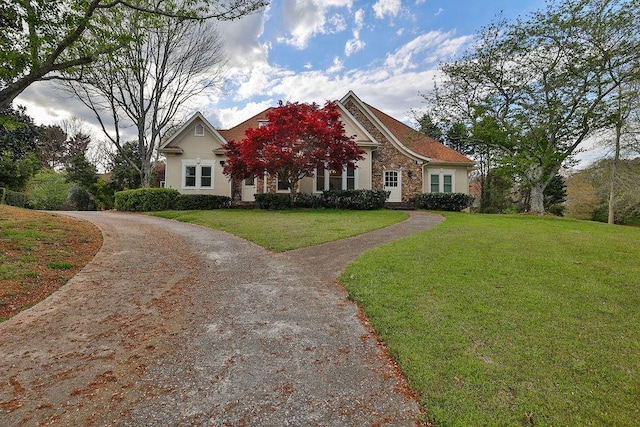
[546, 80]
[44, 39]
[18, 145]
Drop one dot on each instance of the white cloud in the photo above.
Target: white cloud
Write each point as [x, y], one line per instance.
[305, 19]
[439, 12]
[427, 48]
[337, 66]
[383, 8]
[241, 40]
[355, 44]
[225, 118]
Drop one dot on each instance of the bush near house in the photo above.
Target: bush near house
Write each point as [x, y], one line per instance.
[273, 201]
[452, 202]
[146, 199]
[162, 199]
[362, 200]
[201, 202]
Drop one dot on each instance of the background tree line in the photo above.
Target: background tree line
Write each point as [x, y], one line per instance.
[527, 95]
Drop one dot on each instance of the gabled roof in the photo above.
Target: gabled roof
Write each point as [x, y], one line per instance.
[407, 139]
[237, 132]
[418, 142]
[168, 148]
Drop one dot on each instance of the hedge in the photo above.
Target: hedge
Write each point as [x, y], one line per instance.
[355, 199]
[13, 198]
[273, 201]
[453, 202]
[146, 199]
[202, 202]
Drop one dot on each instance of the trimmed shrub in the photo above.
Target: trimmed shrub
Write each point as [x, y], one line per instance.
[306, 200]
[355, 199]
[453, 202]
[14, 198]
[273, 201]
[80, 199]
[146, 199]
[202, 202]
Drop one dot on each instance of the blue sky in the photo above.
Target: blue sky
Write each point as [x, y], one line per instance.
[386, 51]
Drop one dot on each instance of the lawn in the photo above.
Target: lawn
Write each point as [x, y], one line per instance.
[40, 252]
[289, 229]
[511, 320]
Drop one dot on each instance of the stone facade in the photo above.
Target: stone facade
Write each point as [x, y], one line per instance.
[386, 156]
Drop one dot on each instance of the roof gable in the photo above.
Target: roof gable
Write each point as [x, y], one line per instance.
[406, 139]
[173, 141]
[237, 132]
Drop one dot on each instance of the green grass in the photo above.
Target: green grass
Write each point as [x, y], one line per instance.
[289, 229]
[511, 320]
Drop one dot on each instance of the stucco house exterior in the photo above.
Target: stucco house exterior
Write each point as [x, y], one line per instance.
[397, 159]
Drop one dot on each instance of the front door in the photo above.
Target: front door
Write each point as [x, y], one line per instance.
[393, 183]
[249, 190]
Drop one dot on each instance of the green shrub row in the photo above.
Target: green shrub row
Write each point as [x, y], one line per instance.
[361, 200]
[347, 199]
[161, 199]
[453, 202]
[13, 198]
[188, 202]
[273, 201]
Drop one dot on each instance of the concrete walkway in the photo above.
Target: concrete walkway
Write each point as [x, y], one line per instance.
[176, 324]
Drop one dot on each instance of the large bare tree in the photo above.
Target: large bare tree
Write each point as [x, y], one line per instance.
[45, 39]
[147, 86]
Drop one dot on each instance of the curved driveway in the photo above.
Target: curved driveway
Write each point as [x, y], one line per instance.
[176, 324]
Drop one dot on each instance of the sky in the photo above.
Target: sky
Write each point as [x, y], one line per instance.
[386, 51]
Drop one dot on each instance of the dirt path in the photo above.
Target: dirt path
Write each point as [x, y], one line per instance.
[175, 324]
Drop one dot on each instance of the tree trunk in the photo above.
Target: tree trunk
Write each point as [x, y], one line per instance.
[537, 198]
[535, 176]
[614, 172]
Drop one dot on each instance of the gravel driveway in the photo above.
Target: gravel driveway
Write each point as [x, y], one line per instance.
[176, 324]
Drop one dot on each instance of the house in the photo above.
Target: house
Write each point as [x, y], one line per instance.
[397, 159]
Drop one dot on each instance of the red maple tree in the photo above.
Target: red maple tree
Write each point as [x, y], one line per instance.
[297, 139]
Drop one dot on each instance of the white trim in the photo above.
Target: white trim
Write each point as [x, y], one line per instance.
[198, 164]
[399, 186]
[187, 125]
[441, 172]
[327, 178]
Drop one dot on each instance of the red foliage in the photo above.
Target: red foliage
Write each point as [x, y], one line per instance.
[297, 139]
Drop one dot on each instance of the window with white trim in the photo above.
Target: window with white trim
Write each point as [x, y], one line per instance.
[344, 179]
[199, 130]
[197, 174]
[441, 180]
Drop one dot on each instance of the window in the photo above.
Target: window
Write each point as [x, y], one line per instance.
[199, 130]
[336, 179]
[250, 181]
[282, 183]
[441, 181]
[435, 183]
[391, 179]
[262, 122]
[197, 174]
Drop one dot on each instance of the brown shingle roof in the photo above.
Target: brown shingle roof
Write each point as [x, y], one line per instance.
[236, 133]
[418, 142]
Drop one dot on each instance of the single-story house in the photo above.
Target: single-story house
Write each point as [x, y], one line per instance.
[397, 159]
